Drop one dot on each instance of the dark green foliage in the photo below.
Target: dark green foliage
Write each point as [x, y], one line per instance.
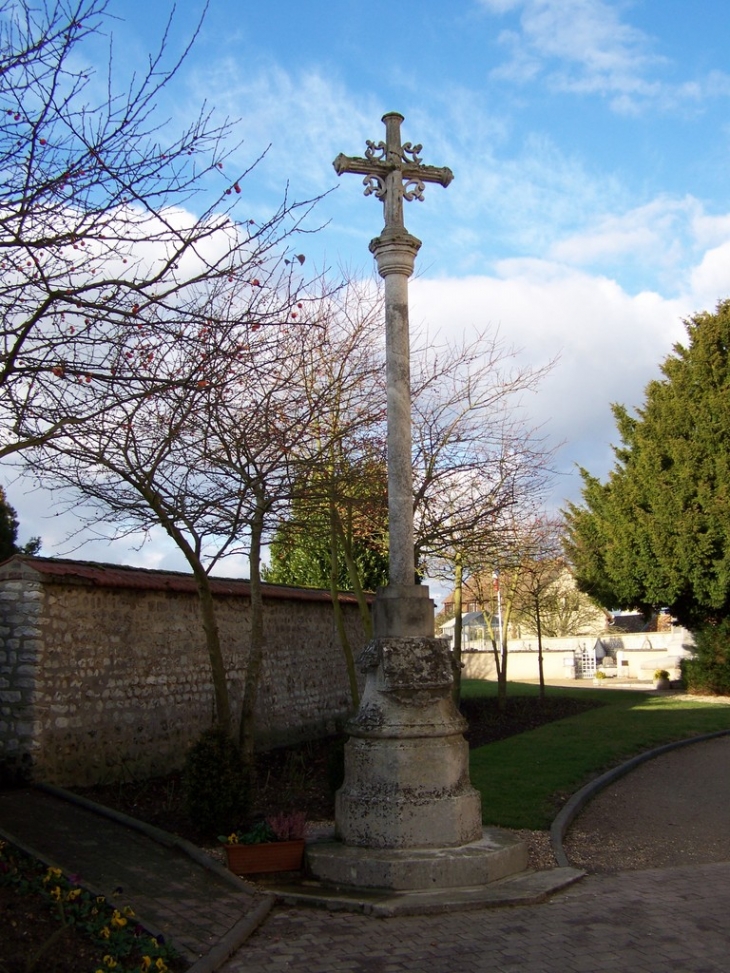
[8, 528]
[709, 670]
[657, 533]
[338, 513]
[9, 532]
[301, 556]
[216, 783]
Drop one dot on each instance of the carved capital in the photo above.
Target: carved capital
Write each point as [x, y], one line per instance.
[395, 251]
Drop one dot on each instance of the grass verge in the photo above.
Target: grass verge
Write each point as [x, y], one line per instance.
[525, 779]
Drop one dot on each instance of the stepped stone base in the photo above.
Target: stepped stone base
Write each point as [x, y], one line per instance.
[496, 855]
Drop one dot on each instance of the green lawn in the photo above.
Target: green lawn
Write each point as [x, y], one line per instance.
[525, 779]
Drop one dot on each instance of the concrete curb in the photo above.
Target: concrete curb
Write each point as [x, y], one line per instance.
[155, 834]
[234, 938]
[574, 804]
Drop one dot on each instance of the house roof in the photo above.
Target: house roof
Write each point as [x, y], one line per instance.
[92, 573]
[468, 618]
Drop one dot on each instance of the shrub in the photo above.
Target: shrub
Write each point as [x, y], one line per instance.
[288, 826]
[708, 671]
[216, 783]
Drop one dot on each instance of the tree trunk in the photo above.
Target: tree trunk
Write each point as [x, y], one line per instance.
[215, 654]
[502, 684]
[337, 608]
[458, 601]
[207, 613]
[354, 576]
[247, 728]
[538, 626]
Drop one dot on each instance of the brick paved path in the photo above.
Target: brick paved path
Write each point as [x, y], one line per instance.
[634, 922]
[170, 893]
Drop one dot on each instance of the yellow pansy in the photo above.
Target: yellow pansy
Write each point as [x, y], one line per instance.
[118, 920]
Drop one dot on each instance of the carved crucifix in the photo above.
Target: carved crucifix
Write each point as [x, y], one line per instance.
[394, 172]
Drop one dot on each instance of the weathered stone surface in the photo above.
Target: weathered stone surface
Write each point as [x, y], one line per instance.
[406, 781]
[406, 762]
[403, 611]
[494, 855]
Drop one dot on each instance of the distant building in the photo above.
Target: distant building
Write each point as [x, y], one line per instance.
[584, 640]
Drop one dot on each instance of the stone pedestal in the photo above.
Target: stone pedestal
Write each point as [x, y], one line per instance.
[407, 817]
[406, 762]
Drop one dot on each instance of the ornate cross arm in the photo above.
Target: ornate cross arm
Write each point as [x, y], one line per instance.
[366, 167]
[393, 172]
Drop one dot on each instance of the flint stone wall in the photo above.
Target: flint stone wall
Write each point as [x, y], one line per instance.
[104, 672]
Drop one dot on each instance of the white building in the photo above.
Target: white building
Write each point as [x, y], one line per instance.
[624, 655]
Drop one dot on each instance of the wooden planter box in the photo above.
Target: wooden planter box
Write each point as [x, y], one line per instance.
[276, 856]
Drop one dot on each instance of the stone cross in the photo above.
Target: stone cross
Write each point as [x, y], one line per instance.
[393, 172]
[406, 816]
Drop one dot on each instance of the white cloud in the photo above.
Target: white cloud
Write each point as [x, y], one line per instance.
[313, 117]
[609, 343]
[671, 242]
[598, 51]
[659, 231]
[586, 47]
[710, 280]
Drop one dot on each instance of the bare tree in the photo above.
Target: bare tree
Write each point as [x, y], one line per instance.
[476, 458]
[134, 283]
[340, 500]
[114, 230]
[209, 465]
[522, 578]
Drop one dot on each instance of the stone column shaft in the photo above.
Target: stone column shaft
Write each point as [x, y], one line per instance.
[395, 252]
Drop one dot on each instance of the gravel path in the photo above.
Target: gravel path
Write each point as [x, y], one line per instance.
[673, 810]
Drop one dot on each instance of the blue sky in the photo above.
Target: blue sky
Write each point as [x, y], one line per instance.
[590, 142]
